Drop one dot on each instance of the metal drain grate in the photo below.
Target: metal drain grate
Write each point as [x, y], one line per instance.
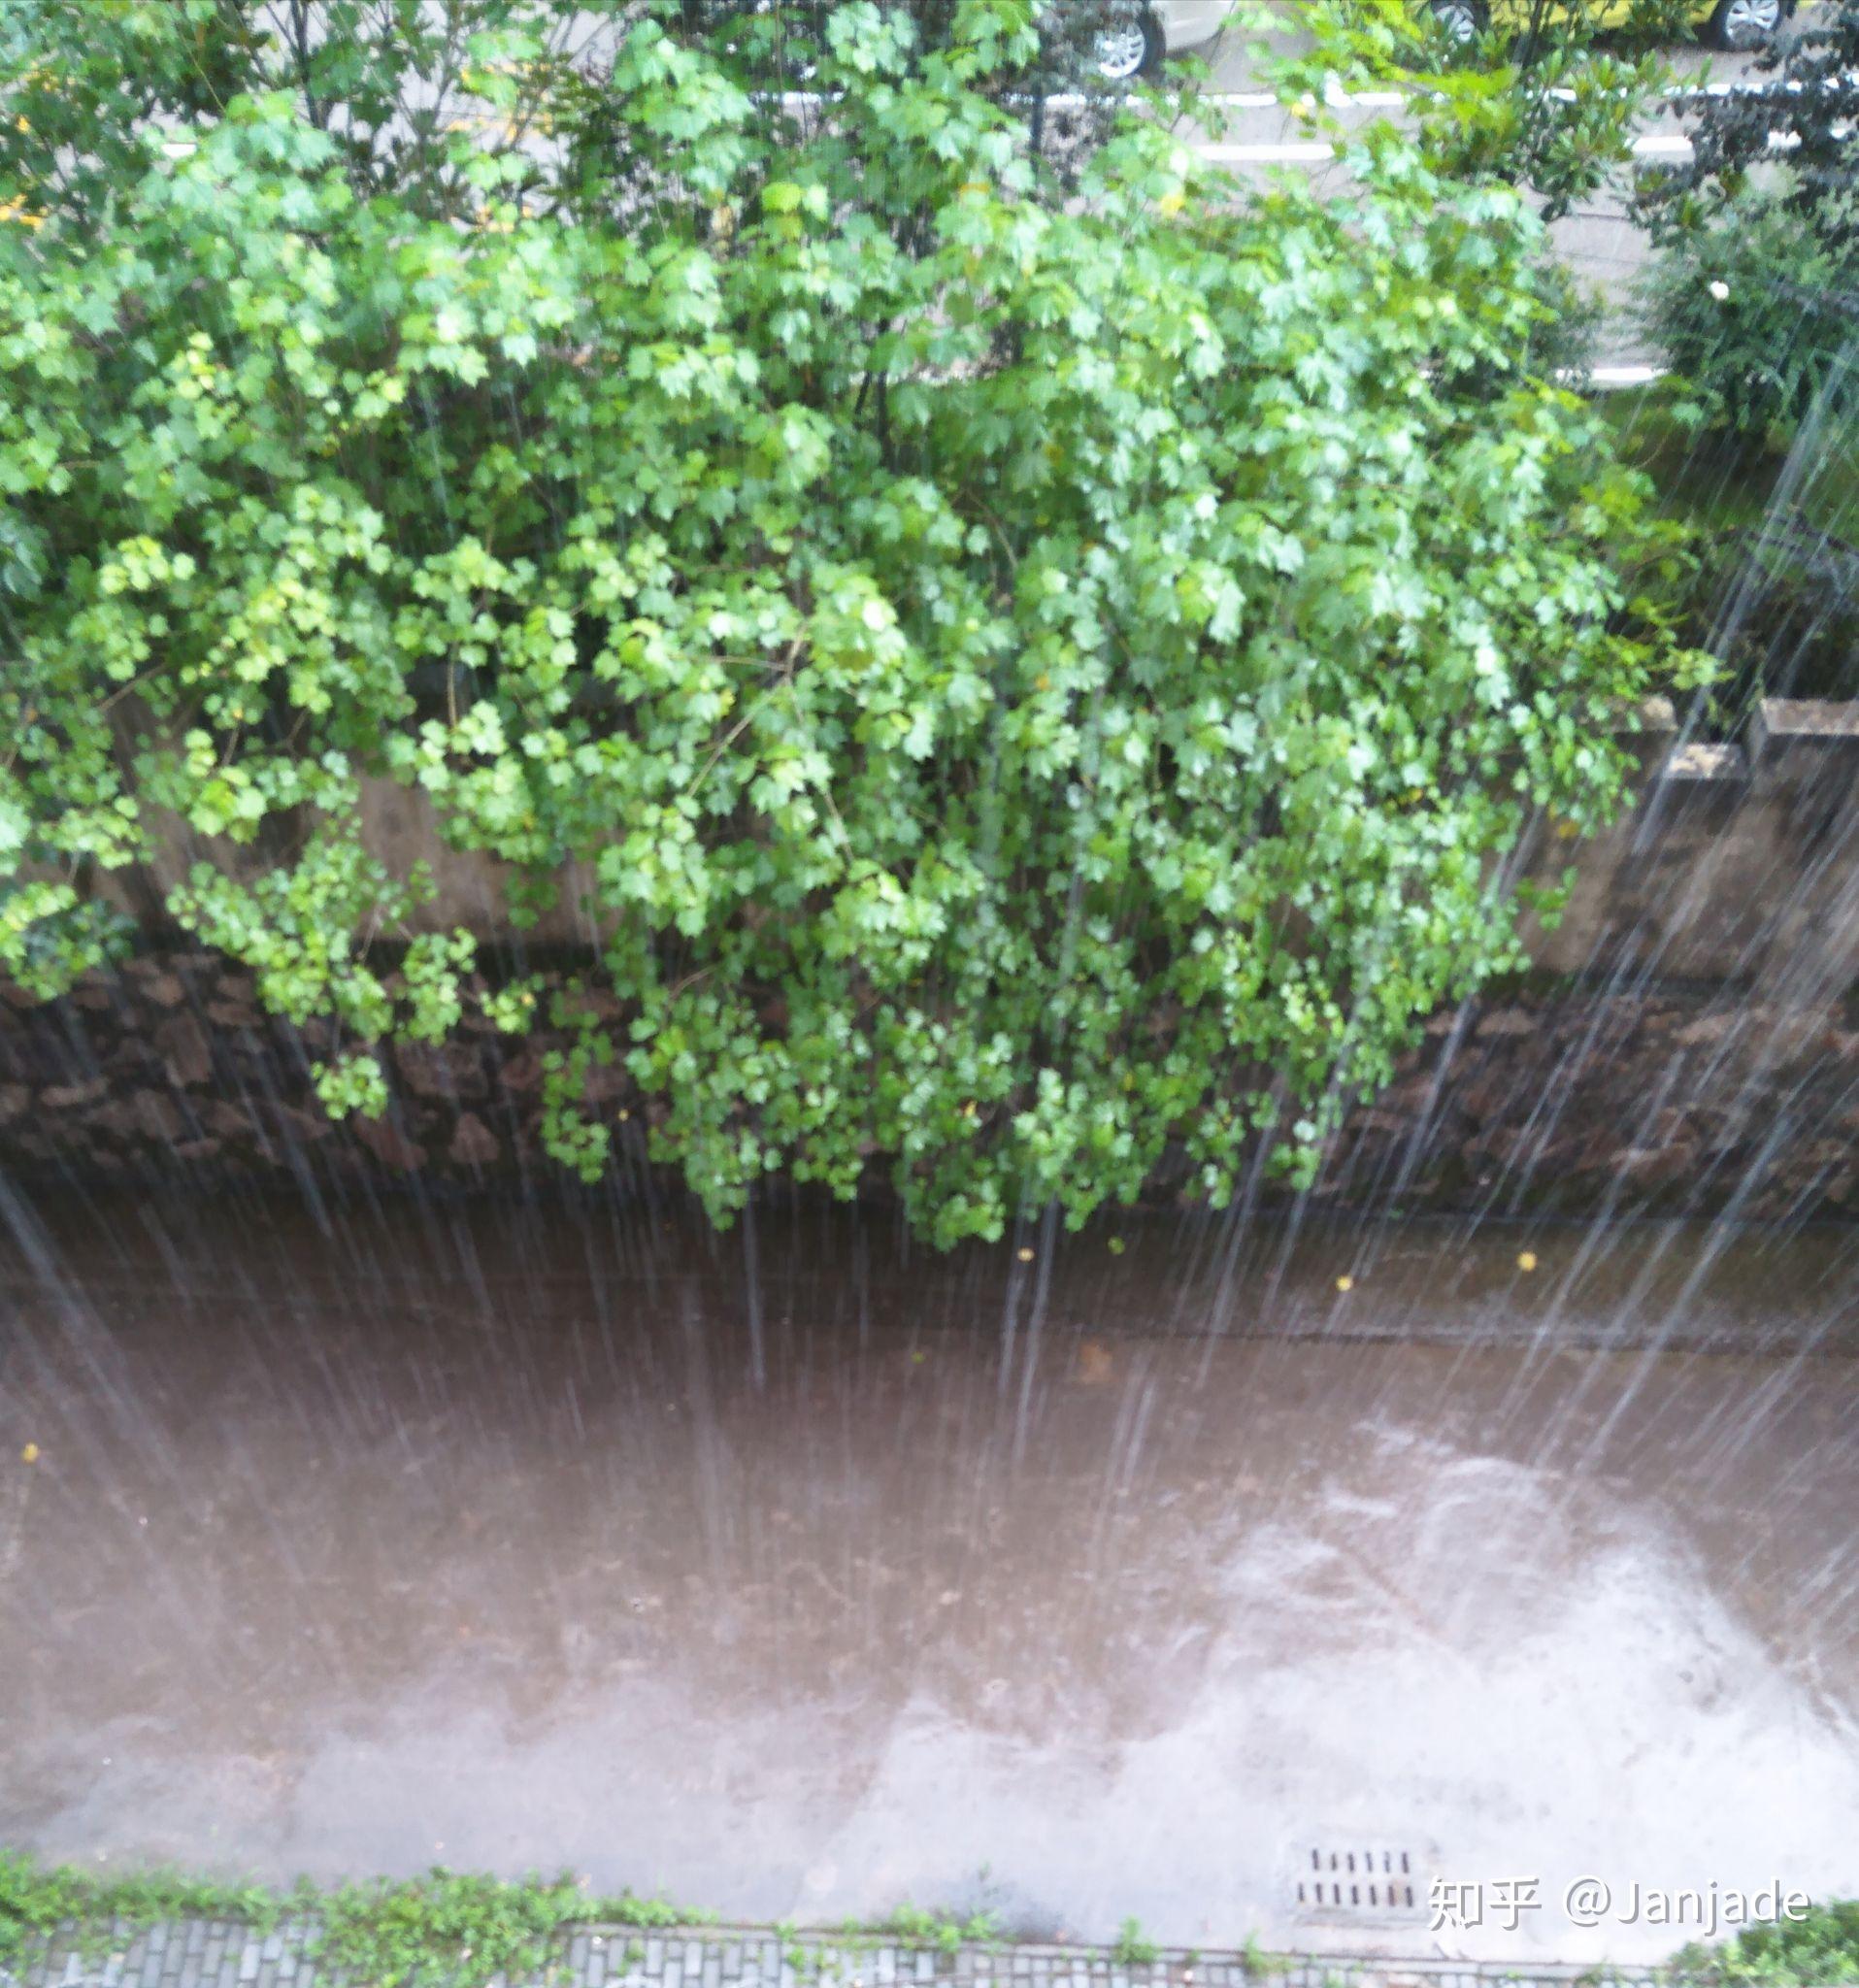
[1361, 1884]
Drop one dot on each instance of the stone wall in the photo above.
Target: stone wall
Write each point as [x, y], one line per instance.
[1611, 1097]
[171, 1069]
[1693, 1046]
[1740, 862]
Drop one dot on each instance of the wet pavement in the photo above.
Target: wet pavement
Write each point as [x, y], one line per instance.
[800, 1575]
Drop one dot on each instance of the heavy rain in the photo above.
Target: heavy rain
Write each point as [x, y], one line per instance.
[847, 1449]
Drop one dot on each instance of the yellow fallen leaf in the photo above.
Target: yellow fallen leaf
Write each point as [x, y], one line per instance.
[1526, 1259]
[1345, 1283]
[30, 1454]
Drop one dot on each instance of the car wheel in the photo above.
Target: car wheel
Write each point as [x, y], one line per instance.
[1128, 46]
[1461, 21]
[1744, 23]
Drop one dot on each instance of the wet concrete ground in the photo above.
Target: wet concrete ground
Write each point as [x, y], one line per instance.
[558, 1540]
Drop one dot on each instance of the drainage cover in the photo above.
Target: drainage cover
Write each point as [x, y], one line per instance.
[1362, 1883]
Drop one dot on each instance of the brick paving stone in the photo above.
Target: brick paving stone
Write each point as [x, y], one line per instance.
[154, 1956]
[211, 1954]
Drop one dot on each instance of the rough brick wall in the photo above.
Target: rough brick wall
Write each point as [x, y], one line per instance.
[1621, 1097]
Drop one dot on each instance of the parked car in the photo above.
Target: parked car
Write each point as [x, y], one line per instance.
[1721, 24]
[1139, 36]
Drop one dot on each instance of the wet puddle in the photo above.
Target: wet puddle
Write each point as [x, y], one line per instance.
[554, 1540]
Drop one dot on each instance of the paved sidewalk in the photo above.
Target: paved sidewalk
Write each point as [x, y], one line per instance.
[208, 1954]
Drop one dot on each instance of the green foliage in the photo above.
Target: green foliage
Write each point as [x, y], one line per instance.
[1821, 1949]
[447, 1926]
[1259, 1965]
[1548, 94]
[1754, 302]
[1756, 296]
[352, 1084]
[1800, 96]
[1031, 668]
[1132, 1948]
[944, 1930]
[37, 1901]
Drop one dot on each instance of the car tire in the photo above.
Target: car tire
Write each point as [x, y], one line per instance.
[1461, 21]
[1745, 23]
[1130, 46]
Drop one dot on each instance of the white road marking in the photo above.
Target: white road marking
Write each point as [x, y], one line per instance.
[1651, 145]
[1333, 98]
[1304, 152]
[1265, 154]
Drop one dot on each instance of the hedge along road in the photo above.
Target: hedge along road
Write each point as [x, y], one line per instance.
[471, 1535]
[1598, 239]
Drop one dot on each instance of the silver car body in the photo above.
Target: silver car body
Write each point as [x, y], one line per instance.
[1190, 23]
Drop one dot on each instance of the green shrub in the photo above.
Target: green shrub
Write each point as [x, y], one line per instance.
[1031, 674]
[453, 1928]
[1754, 304]
[444, 1930]
[1133, 1948]
[940, 1928]
[38, 1901]
[1818, 1951]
